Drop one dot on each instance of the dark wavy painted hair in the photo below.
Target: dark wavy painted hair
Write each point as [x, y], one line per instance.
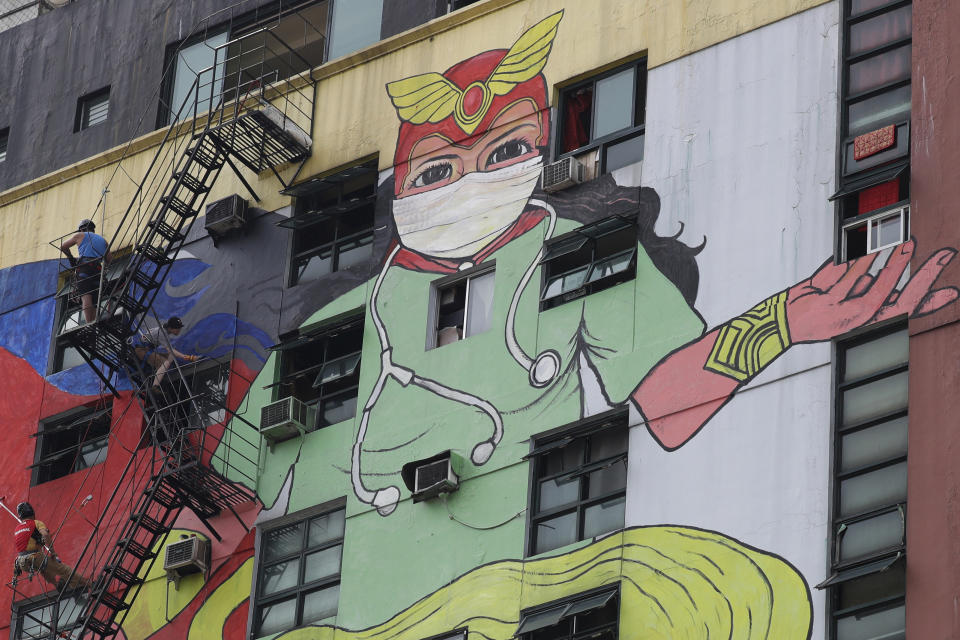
[603, 197]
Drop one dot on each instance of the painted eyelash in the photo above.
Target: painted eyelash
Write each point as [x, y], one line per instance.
[423, 170]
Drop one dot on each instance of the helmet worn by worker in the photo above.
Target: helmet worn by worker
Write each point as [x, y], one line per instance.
[24, 511]
[87, 225]
[173, 322]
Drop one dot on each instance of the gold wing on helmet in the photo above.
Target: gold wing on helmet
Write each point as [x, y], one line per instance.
[428, 97]
[527, 57]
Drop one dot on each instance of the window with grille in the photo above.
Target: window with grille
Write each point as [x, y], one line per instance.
[72, 441]
[605, 112]
[321, 368]
[298, 575]
[47, 617]
[867, 582]
[579, 483]
[93, 109]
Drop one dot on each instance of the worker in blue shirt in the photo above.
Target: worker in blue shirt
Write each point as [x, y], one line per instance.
[93, 250]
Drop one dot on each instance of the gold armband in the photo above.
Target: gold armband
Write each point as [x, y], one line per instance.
[750, 342]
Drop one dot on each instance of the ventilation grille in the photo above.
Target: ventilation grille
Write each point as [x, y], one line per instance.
[226, 214]
[562, 174]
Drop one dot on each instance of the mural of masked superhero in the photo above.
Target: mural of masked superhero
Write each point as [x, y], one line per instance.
[470, 149]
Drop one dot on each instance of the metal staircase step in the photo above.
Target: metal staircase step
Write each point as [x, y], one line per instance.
[165, 231]
[206, 153]
[112, 602]
[148, 523]
[136, 549]
[156, 255]
[178, 206]
[105, 628]
[122, 575]
[164, 495]
[191, 182]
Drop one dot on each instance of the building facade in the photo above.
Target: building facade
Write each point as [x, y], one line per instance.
[514, 318]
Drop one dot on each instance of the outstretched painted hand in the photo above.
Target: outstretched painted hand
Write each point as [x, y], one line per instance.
[841, 297]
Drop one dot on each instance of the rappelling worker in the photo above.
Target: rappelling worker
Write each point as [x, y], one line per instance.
[35, 551]
[93, 250]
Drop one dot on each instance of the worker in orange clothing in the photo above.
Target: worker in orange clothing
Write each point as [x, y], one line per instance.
[35, 551]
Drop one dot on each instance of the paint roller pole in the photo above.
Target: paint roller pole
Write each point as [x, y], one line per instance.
[3, 503]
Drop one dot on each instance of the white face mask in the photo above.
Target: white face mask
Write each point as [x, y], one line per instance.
[459, 219]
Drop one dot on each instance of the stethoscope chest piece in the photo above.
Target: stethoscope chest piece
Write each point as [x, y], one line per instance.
[545, 368]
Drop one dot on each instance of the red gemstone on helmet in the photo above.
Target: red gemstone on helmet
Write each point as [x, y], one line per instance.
[472, 100]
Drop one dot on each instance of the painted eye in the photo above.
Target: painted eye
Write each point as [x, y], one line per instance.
[433, 174]
[508, 151]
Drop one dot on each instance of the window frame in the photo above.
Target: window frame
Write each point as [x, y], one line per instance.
[601, 144]
[74, 419]
[588, 287]
[614, 591]
[86, 103]
[300, 590]
[558, 438]
[447, 282]
[310, 336]
[4, 143]
[23, 607]
[890, 557]
[873, 217]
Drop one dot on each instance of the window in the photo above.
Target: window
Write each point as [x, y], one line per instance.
[92, 109]
[589, 259]
[593, 615]
[4, 139]
[453, 5]
[72, 441]
[870, 487]
[333, 223]
[242, 57]
[45, 619]
[462, 308]
[875, 232]
[579, 484]
[875, 120]
[606, 113]
[322, 369]
[298, 579]
[355, 25]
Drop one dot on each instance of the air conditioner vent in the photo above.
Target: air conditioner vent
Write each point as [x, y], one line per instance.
[562, 174]
[285, 419]
[186, 557]
[225, 215]
[431, 478]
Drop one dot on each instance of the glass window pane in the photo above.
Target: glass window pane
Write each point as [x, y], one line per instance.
[610, 266]
[282, 542]
[71, 358]
[872, 490]
[356, 24]
[566, 458]
[70, 610]
[869, 446]
[278, 617]
[877, 71]
[556, 532]
[614, 103]
[312, 267]
[876, 586]
[889, 624]
[887, 108]
[880, 30]
[875, 399]
[862, 6]
[623, 154]
[479, 304]
[885, 232]
[870, 536]
[355, 252]
[326, 528]
[337, 409]
[604, 517]
[322, 564]
[876, 355]
[321, 604]
[191, 61]
[278, 577]
[90, 454]
[36, 622]
[558, 491]
[565, 283]
[608, 480]
[608, 443]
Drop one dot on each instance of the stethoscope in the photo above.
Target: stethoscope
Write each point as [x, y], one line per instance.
[542, 370]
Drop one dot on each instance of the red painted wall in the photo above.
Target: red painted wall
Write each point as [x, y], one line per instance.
[933, 523]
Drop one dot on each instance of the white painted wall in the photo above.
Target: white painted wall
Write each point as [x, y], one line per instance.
[741, 149]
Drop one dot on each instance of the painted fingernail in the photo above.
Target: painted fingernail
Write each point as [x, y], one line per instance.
[946, 257]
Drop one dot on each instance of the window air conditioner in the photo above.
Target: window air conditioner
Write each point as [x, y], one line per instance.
[561, 174]
[225, 215]
[186, 557]
[433, 478]
[285, 419]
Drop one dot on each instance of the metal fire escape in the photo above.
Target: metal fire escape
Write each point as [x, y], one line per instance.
[258, 101]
